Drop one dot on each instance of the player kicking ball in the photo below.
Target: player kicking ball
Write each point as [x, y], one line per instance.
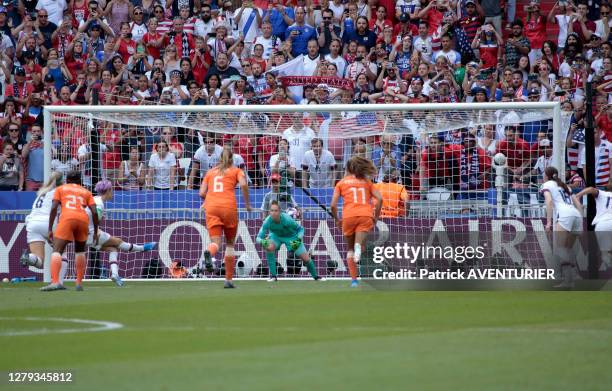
[279, 228]
[72, 227]
[358, 215]
[106, 242]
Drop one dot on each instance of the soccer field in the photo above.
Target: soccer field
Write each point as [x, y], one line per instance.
[296, 335]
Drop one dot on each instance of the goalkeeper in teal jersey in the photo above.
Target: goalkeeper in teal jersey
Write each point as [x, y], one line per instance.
[279, 228]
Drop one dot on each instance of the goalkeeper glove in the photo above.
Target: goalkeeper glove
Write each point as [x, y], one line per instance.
[295, 244]
[265, 243]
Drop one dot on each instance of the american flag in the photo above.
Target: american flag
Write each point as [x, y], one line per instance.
[574, 151]
[366, 123]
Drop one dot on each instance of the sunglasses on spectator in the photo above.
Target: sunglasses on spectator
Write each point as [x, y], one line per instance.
[13, 130]
[159, 11]
[246, 65]
[137, 13]
[42, 16]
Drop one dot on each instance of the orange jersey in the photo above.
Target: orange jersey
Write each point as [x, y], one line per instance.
[74, 199]
[394, 198]
[357, 196]
[222, 188]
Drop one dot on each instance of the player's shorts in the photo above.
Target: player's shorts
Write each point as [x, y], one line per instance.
[103, 237]
[603, 232]
[37, 231]
[72, 230]
[220, 221]
[277, 240]
[350, 225]
[571, 223]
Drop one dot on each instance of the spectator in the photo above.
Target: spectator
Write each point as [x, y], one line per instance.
[15, 138]
[299, 33]
[603, 160]
[517, 151]
[204, 26]
[362, 35]
[54, 10]
[544, 159]
[162, 168]
[562, 15]
[437, 164]
[474, 170]
[222, 68]
[10, 115]
[487, 140]
[132, 171]
[535, 26]
[46, 27]
[206, 157]
[118, 12]
[63, 161]
[318, 166]
[284, 198]
[279, 18]
[328, 32]
[11, 169]
[516, 45]
[385, 157]
[581, 24]
[281, 163]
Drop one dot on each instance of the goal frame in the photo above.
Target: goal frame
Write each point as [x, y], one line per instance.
[558, 157]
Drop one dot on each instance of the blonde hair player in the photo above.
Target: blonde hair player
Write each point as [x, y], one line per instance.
[221, 207]
[602, 220]
[107, 242]
[37, 224]
[560, 203]
[72, 227]
[359, 216]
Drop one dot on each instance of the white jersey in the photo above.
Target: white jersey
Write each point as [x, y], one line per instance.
[207, 160]
[99, 209]
[603, 203]
[562, 201]
[41, 208]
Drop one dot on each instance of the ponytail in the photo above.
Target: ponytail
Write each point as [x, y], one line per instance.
[55, 179]
[553, 175]
[226, 160]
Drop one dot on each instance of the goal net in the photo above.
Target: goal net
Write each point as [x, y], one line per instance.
[455, 176]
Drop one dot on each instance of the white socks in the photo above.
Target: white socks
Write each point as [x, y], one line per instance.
[128, 247]
[35, 261]
[112, 258]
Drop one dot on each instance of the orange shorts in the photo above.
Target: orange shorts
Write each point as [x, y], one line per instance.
[220, 221]
[72, 230]
[350, 225]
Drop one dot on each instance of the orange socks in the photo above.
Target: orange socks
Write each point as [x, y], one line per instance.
[230, 262]
[56, 266]
[352, 267]
[213, 248]
[81, 265]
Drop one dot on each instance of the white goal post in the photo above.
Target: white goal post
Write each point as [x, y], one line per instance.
[138, 219]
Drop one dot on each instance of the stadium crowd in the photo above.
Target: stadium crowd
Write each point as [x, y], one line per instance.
[213, 52]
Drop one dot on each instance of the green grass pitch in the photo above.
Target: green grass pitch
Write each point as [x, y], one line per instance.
[303, 335]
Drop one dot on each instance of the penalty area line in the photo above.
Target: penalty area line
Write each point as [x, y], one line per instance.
[96, 326]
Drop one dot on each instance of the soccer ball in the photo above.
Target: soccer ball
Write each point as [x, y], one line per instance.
[499, 159]
[293, 213]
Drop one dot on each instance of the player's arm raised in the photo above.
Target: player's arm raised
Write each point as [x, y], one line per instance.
[245, 192]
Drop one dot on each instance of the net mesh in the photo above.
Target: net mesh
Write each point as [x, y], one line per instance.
[436, 170]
